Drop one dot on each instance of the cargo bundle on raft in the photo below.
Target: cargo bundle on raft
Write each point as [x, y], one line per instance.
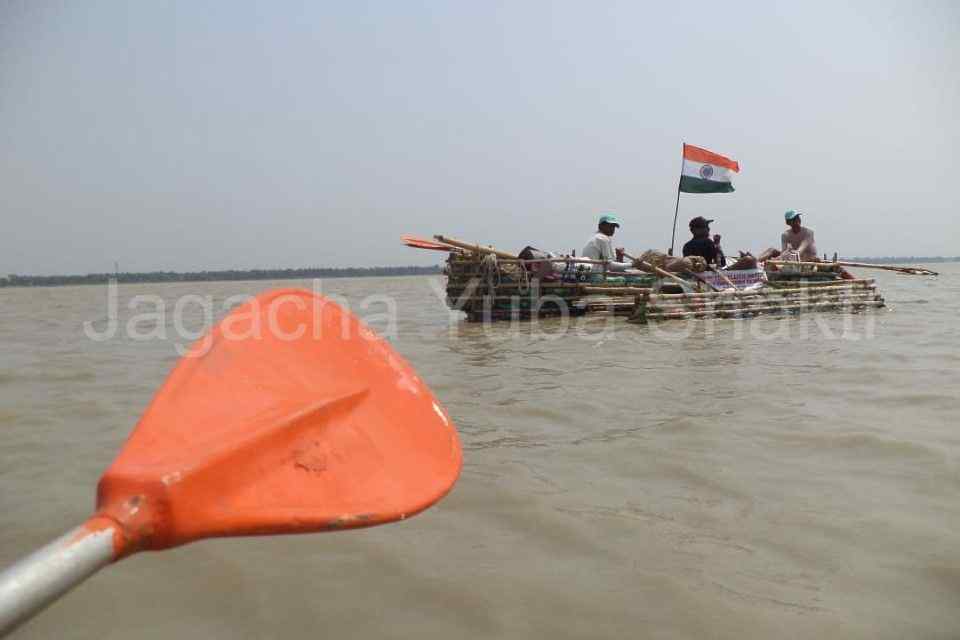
[488, 284]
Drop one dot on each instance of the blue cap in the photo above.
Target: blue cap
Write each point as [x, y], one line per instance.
[609, 218]
[790, 215]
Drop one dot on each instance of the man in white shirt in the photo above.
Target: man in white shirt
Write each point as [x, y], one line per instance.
[798, 238]
[600, 246]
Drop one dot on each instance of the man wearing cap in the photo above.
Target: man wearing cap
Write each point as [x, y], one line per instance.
[798, 238]
[600, 246]
[701, 244]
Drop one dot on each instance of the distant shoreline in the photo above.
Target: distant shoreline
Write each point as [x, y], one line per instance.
[214, 276]
[305, 274]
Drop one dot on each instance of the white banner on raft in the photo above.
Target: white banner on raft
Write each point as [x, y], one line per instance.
[746, 279]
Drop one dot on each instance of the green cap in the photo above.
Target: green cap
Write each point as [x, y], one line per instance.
[609, 218]
[790, 215]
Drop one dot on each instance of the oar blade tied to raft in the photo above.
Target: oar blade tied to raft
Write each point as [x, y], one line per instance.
[423, 243]
[290, 416]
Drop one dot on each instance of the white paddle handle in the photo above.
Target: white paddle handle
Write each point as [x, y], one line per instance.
[37, 580]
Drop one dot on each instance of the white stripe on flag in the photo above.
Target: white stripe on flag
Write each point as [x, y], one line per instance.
[693, 169]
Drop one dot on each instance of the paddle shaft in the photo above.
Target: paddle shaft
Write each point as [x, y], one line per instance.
[434, 247]
[37, 580]
[889, 267]
[473, 247]
[861, 265]
[705, 281]
[423, 243]
[559, 259]
[661, 272]
[664, 273]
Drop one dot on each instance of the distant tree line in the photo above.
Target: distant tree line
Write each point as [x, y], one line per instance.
[14, 280]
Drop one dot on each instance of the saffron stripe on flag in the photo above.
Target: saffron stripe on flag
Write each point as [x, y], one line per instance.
[697, 154]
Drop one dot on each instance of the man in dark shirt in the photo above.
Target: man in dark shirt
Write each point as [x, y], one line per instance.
[701, 244]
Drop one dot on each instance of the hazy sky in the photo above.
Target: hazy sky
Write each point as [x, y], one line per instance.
[229, 134]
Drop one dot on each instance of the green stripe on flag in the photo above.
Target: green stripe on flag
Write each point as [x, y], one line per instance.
[699, 185]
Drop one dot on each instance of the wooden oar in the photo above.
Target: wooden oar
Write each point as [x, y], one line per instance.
[705, 281]
[916, 271]
[423, 243]
[290, 416]
[564, 259]
[474, 247]
[666, 274]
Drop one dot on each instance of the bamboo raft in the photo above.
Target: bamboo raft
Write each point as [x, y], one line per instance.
[487, 284]
[843, 295]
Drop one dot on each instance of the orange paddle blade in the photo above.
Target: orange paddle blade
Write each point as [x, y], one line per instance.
[422, 243]
[290, 416]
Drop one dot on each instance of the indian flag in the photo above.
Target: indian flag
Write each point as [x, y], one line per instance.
[705, 171]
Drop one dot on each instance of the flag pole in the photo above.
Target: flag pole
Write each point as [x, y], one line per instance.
[676, 209]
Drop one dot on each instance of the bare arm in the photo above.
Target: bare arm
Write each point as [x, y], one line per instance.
[807, 242]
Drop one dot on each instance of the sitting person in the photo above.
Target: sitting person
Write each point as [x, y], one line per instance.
[796, 242]
[701, 244]
[798, 238]
[600, 246]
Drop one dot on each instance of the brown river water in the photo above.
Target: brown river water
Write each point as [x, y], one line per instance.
[773, 478]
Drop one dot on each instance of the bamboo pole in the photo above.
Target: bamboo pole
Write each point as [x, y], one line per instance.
[734, 313]
[764, 292]
[705, 281]
[546, 288]
[845, 284]
[560, 259]
[518, 297]
[826, 283]
[707, 313]
[820, 266]
[919, 271]
[474, 247]
[543, 286]
[734, 304]
[618, 309]
[606, 302]
[767, 295]
[439, 247]
[514, 260]
[825, 286]
[664, 274]
[661, 272]
[717, 305]
[509, 258]
[765, 308]
[627, 290]
[770, 296]
[914, 271]
[423, 243]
